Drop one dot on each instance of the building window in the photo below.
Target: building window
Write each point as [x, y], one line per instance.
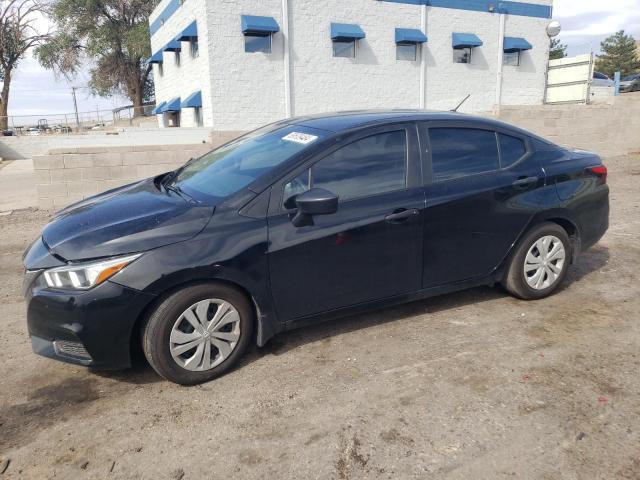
[257, 43]
[511, 58]
[462, 55]
[176, 59]
[407, 52]
[193, 48]
[197, 116]
[344, 49]
[160, 69]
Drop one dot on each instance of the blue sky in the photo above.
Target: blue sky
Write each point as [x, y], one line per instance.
[585, 23]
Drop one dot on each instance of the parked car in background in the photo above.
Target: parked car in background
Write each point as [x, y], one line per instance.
[61, 128]
[8, 133]
[630, 83]
[303, 220]
[33, 131]
[601, 80]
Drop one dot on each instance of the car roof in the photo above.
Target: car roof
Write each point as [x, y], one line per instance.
[342, 121]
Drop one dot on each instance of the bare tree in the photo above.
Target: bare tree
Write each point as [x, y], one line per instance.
[110, 37]
[17, 35]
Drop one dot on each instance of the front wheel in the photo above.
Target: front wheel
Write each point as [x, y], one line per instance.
[198, 333]
[540, 262]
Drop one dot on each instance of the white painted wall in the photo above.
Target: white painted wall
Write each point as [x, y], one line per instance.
[193, 73]
[242, 91]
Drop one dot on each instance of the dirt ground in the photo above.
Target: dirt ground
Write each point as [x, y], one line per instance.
[472, 385]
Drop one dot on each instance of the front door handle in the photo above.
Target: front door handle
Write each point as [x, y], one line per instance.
[402, 215]
[524, 181]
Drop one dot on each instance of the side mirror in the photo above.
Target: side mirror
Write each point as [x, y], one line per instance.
[316, 201]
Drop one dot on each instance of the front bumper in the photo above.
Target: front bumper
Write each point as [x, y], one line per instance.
[91, 328]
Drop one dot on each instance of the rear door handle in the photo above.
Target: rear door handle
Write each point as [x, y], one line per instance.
[402, 215]
[524, 181]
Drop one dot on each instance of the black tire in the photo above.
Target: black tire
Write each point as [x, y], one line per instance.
[515, 281]
[156, 331]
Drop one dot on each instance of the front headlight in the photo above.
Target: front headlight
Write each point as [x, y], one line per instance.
[82, 276]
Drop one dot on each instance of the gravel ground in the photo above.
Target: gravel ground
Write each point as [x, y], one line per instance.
[474, 385]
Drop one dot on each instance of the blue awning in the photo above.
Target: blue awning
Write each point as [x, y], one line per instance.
[464, 40]
[516, 44]
[158, 109]
[172, 105]
[344, 32]
[259, 26]
[173, 46]
[410, 36]
[193, 101]
[156, 57]
[189, 34]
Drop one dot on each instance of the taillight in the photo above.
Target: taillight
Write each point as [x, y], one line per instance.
[600, 171]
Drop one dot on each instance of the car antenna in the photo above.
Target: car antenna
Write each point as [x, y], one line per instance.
[460, 104]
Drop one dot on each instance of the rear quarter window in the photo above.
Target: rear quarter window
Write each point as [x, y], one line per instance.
[512, 149]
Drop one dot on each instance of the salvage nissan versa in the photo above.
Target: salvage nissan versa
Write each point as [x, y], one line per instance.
[303, 220]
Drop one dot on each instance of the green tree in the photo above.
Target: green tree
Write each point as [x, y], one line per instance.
[17, 35]
[557, 49]
[619, 54]
[110, 35]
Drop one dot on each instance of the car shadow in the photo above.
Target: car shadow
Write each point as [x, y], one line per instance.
[590, 261]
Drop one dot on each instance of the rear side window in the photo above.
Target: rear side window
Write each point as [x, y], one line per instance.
[457, 152]
[512, 149]
[369, 166]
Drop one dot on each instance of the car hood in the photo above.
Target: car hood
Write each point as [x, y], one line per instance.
[133, 218]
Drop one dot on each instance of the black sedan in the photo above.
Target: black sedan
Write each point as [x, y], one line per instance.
[304, 220]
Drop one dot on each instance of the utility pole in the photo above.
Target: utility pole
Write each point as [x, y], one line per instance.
[75, 106]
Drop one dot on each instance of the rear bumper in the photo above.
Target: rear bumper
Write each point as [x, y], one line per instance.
[92, 328]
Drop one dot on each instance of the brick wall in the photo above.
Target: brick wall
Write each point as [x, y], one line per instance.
[606, 129]
[68, 175]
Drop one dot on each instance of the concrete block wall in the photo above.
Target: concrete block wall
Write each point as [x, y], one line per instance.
[606, 129]
[68, 175]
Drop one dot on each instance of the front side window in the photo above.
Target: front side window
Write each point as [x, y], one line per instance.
[407, 52]
[193, 48]
[226, 170]
[512, 149]
[344, 49]
[369, 166]
[177, 59]
[160, 69]
[511, 59]
[458, 152]
[462, 55]
[257, 44]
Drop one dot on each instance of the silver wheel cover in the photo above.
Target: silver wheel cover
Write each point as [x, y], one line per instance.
[544, 262]
[205, 335]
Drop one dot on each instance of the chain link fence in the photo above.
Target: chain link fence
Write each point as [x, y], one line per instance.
[70, 123]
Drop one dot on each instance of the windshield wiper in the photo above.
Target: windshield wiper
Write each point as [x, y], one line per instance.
[178, 191]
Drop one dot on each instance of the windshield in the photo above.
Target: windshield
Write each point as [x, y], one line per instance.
[230, 168]
[629, 78]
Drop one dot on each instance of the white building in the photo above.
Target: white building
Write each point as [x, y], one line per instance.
[237, 64]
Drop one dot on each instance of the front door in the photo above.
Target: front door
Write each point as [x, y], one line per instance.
[371, 248]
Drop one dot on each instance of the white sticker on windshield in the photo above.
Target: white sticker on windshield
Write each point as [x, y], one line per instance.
[297, 137]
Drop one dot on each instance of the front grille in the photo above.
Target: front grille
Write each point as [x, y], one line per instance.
[71, 349]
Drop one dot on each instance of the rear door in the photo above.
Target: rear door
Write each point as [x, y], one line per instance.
[481, 193]
[371, 248]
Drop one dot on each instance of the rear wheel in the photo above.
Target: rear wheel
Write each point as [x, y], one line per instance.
[198, 333]
[540, 262]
